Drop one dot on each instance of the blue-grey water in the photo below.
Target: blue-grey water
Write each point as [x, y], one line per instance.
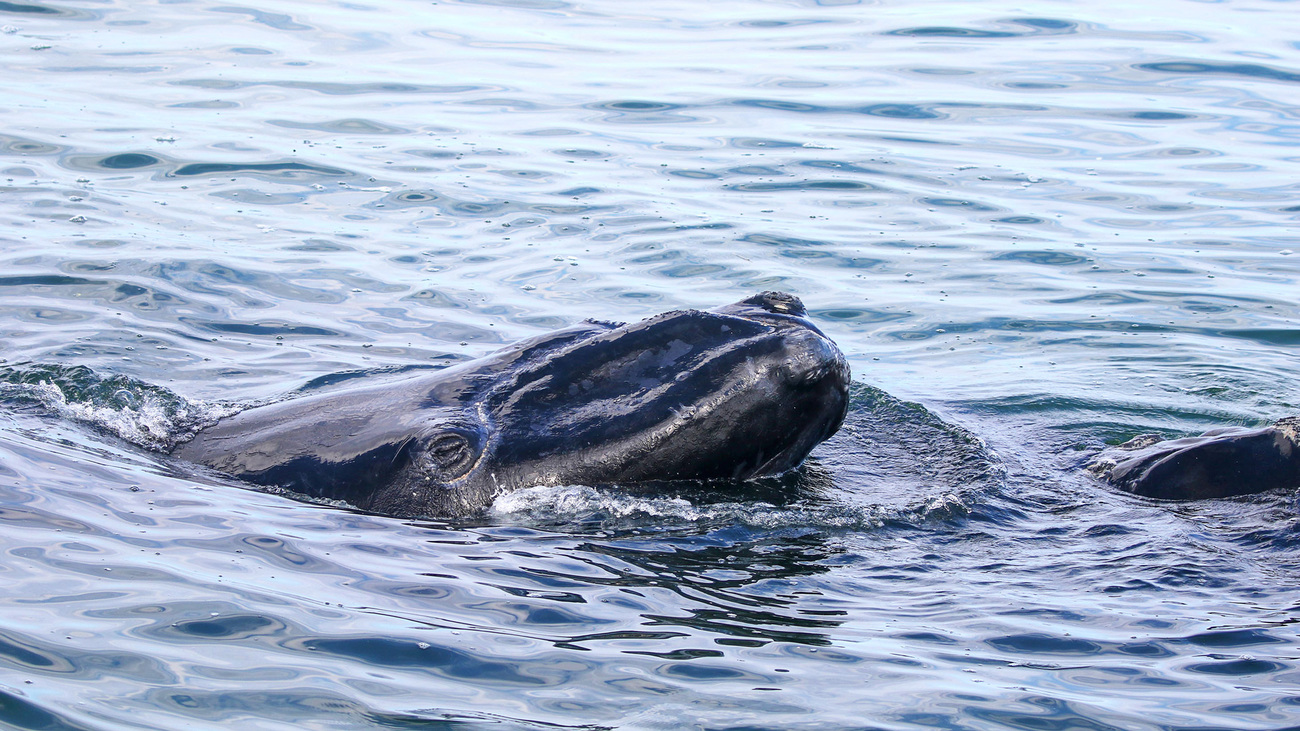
[1034, 229]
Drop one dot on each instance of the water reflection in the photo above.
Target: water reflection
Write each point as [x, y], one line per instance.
[52, 11]
[1251, 70]
[279, 21]
[1037, 27]
[336, 88]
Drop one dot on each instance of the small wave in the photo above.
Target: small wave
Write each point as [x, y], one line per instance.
[143, 414]
[589, 507]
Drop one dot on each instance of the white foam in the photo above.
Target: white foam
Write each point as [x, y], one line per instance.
[580, 504]
[144, 419]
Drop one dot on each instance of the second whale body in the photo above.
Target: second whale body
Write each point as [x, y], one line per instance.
[1219, 463]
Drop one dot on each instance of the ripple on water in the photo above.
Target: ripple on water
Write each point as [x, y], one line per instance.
[1082, 241]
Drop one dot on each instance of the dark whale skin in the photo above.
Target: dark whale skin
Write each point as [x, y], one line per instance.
[1219, 463]
[741, 391]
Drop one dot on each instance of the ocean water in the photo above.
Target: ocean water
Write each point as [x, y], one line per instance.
[1034, 229]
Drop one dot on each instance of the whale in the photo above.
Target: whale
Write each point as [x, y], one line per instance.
[1222, 462]
[739, 392]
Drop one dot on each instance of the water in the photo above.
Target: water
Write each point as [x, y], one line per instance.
[1034, 230]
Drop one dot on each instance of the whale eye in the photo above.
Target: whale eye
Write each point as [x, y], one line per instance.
[447, 456]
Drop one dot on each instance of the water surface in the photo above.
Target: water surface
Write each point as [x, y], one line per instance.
[1034, 230]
